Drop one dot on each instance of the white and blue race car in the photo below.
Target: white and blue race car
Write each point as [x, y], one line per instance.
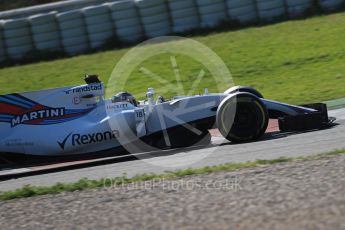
[78, 120]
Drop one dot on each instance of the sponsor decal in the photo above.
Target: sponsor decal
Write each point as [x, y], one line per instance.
[37, 115]
[85, 88]
[18, 143]
[86, 139]
[117, 106]
[16, 109]
[76, 100]
[91, 105]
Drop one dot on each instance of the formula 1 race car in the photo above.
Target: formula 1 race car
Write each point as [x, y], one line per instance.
[78, 120]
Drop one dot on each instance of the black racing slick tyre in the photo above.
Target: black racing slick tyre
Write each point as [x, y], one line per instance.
[242, 117]
[244, 89]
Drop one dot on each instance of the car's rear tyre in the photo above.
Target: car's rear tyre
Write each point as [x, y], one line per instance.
[242, 117]
[244, 89]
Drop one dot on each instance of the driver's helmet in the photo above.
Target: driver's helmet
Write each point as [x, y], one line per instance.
[125, 96]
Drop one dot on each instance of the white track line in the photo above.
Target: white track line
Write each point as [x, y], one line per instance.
[14, 171]
[337, 113]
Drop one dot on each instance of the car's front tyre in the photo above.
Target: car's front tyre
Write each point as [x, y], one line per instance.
[242, 117]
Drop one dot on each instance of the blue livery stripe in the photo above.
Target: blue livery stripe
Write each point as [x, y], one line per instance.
[61, 120]
[72, 111]
[19, 99]
[8, 101]
[6, 116]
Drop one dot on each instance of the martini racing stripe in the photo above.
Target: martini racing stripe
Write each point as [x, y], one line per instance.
[20, 99]
[16, 110]
[18, 96]
[6, 116]
[56, 121]
[10, 109]
[13, 102]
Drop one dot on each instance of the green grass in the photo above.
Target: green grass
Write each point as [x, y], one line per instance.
[297, 61]
[83, 184]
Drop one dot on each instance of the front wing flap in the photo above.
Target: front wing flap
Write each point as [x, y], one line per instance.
[308, 121]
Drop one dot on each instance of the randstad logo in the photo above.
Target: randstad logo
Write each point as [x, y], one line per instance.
[85, 88]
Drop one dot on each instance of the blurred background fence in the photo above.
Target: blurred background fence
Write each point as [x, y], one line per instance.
[78, 26]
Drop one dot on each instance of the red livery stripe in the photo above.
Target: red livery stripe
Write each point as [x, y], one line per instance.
[11, 109]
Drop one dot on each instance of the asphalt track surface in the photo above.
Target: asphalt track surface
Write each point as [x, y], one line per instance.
[220, 152]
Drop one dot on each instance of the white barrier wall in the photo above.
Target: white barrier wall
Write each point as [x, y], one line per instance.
[2, 47]
[298, 8]
[154, 17]
[330, 5]
[45, 32]
[270, 10]
[60, 6]
[211, 12]
[77, 31]
[184, 15]
[18, 39]
[73, 32]
[127, 21]
[99, 24]
[243, 11]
